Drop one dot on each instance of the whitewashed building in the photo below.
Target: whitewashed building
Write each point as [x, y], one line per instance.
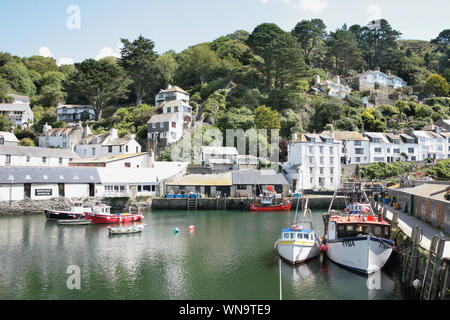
[219, 158]
[74, 113]
[34, 156]
[402, 147]
[431, 144]
[129, 160]
[8, 138]
[313, 162]
[18, 113]
[106, 144]
[172, 93]
[354, 147]
[43, 183]
[61, 138]
[133, 182]
[331, 88]
[375, 79]
[167, 128]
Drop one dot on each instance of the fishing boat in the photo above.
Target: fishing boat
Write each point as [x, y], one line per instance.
[127, 229]
[299, 242]
[77, 222]
[77, 211]
[359, 241]
[101, 213]
[267, 202]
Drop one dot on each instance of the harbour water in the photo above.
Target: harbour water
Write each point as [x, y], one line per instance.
[229, 255]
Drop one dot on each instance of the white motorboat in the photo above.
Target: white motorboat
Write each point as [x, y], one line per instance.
[127, 230]
[356, 241]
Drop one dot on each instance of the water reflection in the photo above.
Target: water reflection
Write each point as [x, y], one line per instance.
[230, 255]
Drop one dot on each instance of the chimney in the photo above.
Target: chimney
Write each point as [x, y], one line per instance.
[113, 133]
[294, 137]
[169, 87]
[87, 131]
[338, 80]
[46, 127]
[151, 158]
[317, 79]
[11, 130]
[388, 72]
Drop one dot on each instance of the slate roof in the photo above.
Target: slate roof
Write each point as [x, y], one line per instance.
[163, 117]
[8, 136]
[37, 152]
[49, 175]
[262, 177]
[60, 131]
[173, 89]
[15, 107]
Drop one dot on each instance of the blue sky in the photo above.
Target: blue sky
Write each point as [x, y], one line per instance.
[41, 27]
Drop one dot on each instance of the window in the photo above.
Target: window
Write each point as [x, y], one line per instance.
[311, 150]
[286, 236]
[176, 109]
[389, 150]
[396, 150]
[378, 150]
[331, 180]
[241, 187]
[28, 159]
[44, 160]
[321, 170]
[357, 142]
[60, 161]
[299, 235]
[93, 151]
[120, 148]
[137, 149]
[331, 170]
[331, 160]
[311, 170]
[358, 159]
[311, 160]
[331, 150]
[321, 150]
[322, 160]
[174, 124]
[110, 148]
[126, 149]
[8, 158]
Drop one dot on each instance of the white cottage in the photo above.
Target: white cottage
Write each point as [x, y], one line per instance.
[106, 144]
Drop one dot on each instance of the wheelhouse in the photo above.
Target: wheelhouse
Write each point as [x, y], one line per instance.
[345, 230]
[304, 234]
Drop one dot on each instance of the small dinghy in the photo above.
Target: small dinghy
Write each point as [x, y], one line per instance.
[126, 230]
[77, 222]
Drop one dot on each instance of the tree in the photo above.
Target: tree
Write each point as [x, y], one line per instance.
[41, 64]
[101, 82]
[259, 41]
[266, 118]
[198, 63]
[436, 85]
[18, 78]
[166, 66]
[442, 40]
[342, 45]
[138, 60]
[5, 124]
[310, 34]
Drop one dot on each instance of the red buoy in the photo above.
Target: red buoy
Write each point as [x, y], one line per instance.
[323, 247]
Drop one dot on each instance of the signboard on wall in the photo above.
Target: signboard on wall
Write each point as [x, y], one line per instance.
[43, 192]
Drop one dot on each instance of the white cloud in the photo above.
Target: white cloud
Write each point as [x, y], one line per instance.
[265, 1]
[65, 60]
[374, 12]
[107, 52]
[45, 52]
[311, 5]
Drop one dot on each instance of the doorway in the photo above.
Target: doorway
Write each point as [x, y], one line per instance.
[27, 190]
[61, 190]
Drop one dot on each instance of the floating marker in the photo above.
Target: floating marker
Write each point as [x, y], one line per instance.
[191, 227]
[176, 230]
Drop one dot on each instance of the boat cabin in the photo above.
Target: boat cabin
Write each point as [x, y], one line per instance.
[102, 209]
[291, 234]
[358, 208]
[354, 226]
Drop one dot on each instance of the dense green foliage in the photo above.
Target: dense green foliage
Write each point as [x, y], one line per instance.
[441, 170]
[231, 78]
[383, 170]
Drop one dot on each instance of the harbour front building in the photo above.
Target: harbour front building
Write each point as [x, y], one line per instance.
[313, 162]
[61, 138]
[33, 156]
[74, 113]
[43, 183]
[354, 147]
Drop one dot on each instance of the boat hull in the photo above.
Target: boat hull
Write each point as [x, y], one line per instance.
[281, 207]
[113, 218]
[54, 215]
[365, 254]
[296, 252]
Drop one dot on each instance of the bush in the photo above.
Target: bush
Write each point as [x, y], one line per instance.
[383, 170]
[441, 170]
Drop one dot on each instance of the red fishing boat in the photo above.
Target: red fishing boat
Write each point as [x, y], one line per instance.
[267, 202]
[102, 214]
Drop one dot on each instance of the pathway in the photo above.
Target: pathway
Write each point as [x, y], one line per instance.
[406, 223]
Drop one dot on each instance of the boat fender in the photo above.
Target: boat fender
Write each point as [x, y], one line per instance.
[323, 247]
